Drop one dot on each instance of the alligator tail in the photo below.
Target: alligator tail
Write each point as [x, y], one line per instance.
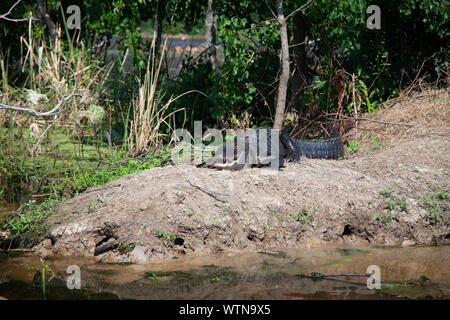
[330, 148]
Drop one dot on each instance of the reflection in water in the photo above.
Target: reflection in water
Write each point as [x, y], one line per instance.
[7, 209]
[414, 272]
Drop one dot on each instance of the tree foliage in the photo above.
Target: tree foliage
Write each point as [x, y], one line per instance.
[384, 61]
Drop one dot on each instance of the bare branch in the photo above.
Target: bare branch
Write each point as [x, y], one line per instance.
[210, 193]
[5, 16]
[302, 8]
[55, 111]
[38, 142]
[298, 44]
[345, 118]
[271, 11]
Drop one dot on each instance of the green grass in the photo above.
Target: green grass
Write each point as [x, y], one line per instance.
[55, 160]
[61, 171]
[29, 216]
[66, 179]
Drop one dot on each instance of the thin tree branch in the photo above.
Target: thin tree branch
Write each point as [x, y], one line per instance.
[271, 11]
[298, 44]
[38, 142]
[52, 112]
[5, 16]
[345, 118]
[302, 8]
[210, 193]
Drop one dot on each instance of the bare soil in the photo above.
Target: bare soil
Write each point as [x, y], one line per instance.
[184, 210]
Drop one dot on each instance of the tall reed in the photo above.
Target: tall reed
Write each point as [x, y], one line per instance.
[149, 112]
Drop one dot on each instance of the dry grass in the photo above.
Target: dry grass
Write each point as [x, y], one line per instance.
[148, 110]
[424, 111]
[50, 72]
[49, 78]
[430, 108]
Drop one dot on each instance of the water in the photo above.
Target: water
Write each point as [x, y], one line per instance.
[413, 272]
[7, 209]
[175, 42]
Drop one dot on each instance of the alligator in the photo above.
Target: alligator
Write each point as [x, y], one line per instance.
[253, 148]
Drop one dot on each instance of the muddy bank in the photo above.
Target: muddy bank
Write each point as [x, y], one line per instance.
[393, 191]
[183, 210]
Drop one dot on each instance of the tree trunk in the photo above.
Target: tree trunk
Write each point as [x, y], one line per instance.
[159, 24]
[210, 34]
[44, 16]
[284, 77]
[299, 62]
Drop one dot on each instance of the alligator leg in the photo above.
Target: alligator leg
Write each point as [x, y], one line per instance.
[235, 165]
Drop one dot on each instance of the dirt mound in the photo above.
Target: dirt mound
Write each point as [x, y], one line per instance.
[395, 194]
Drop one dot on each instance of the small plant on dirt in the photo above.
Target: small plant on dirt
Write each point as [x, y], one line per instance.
[387, 193]
[388, 217]
[161, 234]
[353, 146]
[152, 276]
[91, 207]
[378, 145]
[390, 205]
[301, 216]
[435, 204]
[395, 201]
[190, 214]
[124, 247]
[403, 204]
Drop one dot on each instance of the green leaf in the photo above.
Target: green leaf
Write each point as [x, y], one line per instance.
[336, 262]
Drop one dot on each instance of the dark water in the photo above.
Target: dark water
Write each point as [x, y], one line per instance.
[406, 273]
